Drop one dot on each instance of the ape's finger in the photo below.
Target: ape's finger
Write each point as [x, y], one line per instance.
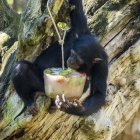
[57, 103]
[63, 98]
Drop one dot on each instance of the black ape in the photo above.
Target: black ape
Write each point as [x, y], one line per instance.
[28, 77]
[89, 57]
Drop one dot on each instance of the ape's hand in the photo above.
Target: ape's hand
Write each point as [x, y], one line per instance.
[67, 106]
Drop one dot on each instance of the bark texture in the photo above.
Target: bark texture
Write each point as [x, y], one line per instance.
[116, 23]
[132, 131]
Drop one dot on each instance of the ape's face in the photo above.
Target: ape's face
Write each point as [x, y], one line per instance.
[74, 61]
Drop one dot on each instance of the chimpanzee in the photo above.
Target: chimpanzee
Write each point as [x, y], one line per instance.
[87, 56]
[81, 52]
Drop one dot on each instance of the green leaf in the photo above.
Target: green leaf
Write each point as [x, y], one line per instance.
[65, 72]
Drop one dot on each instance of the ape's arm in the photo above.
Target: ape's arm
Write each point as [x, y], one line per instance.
[78, 22]
[98, 90]
[78, 18]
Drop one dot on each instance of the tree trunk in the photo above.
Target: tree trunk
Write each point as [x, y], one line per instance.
[116, 23]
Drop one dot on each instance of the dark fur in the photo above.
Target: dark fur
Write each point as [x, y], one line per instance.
[28, 77]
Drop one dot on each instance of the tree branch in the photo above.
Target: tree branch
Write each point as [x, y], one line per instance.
[36, 25]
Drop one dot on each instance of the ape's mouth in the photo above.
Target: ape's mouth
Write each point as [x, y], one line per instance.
[75, 67]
